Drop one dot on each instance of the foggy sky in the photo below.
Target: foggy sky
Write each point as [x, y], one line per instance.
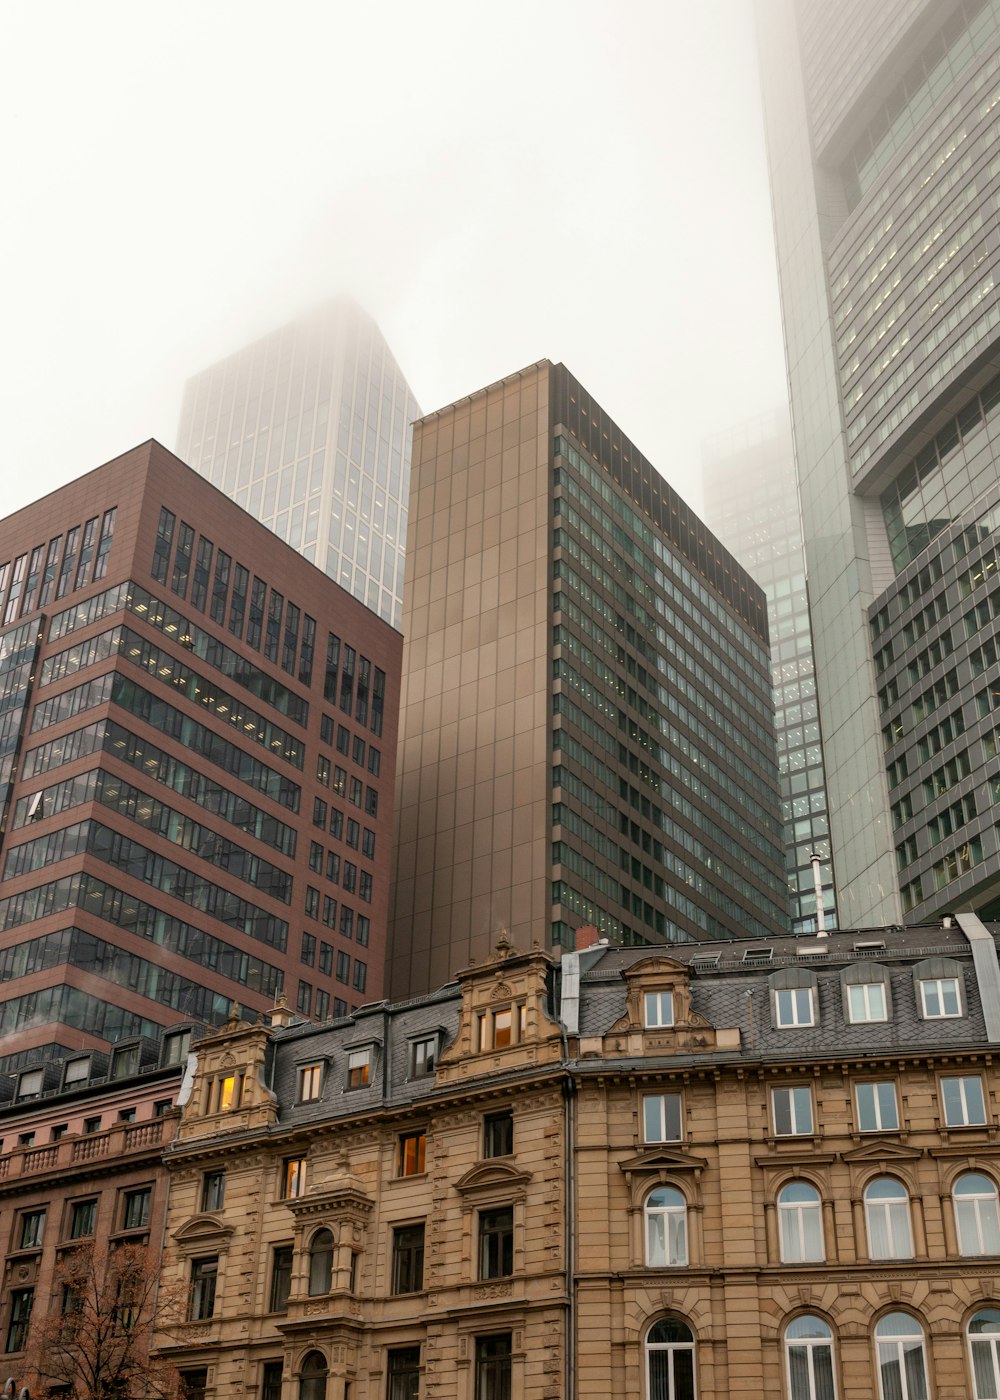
[578, 179]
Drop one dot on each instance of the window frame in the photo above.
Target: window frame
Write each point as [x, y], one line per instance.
[975, 1199]
[876, 1104]
[781, 1022]
[810, 1346]
[495, 1243]
[321, 1256]
[408, 1258]
[660, 1227]
[792, 1227]
[498, 1133]
[309, 1081]
[663, 1135]
[891, 1207]
[294, 1171]
[965, 1121]
[991, 1341]
[494, 1370]
[280, 1286]
[204, 1287]
[658, 1009]
[865, 988]
[412, 1161]
[129, 1198]
[213, 1190]
[669, 1350]
[797, 1094]
[939, 983]
[894, 1342]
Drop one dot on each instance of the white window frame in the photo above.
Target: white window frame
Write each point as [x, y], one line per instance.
[938, 984]
[965, 1121]
[893, 1350]
[666, 1224]
[988, 1342]
[792, 1233]
[654, 1107]
[810, 1345]
[972, 1215]
[797, 1095]
[861, 992]
[893, 1209]
[360, 1062]
[658, 1010]
[670, 1349]
[789, 1010]
[877, 1106]
[310, 1082]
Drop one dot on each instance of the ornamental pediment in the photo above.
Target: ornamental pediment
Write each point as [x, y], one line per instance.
[882, 1152]
[663, 1159]
[202, 1228]
[332, 1199]
[492, 1176]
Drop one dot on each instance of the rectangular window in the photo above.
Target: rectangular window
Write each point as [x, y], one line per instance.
[365, 887]
[792, 1110]
[343, 739]
[412, 1153]
[358, 751]
[344, 968]
[194, 1383]
[176, 1047]
[213, 1191]
[496, 1243]
[32, 1229]
[293, 1177]
[346, 921]
[21, 1300]
[878, 1111]
[359, 1066]
[238, 603]
[135, 1215]
[939, 998]
[371, 802]
[315, 857]
[281, 1277]
[360, 975]
[82, 1219]
[310, 1083]
[220, 587]
[498, 1134]
[312, 906]
[161, 547]
[368, 843]
[661, 1117]
[493, 1368]
[374, 761]
[353, 832]
[866, 1002]
[963, 1101]
[322, 1004]
[270, 1379]
[423, 1056]
[303, 1003]
[326, 958]
[408, 1259]
[403, 1372]
[659, 1009]
[793, 1006]
[362, 930]
[204, 1273]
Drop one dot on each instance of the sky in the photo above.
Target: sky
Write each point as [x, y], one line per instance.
[582, 180]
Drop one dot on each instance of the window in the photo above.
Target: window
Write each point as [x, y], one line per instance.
[670, 1361]
[213, 1190]
[32, 1229]
[162, 1106]
[281, 1277]
[984, 1349]
[176, 1046]
[82, 1219]
[661, 1117]
[126, 1115]
[412, 1153]
[423, 1057]
[76, 1071]
[307, 953]
[939, 998]
[30, 1083]
[310, 1082]
[887, 1218]
[21, 1300]
[809, 1357]
[320, 1263]
[800, 1224]
[135, 1215]
[293, 1177]
[792, 1110]
[204, 1273]
[963, 1102]
[270, 1380]
[403, 1372]
[92, 1125]
[867, 1002]
[194, 1383]
[359, 1065]
[902, 1367]
[496, 1243]
[493, 1368]
[312, 1382]
[793, 1006]
[498, 1134]
[125, 1062]
[665, 1212]
[59, 1130]
[658, 1009]
[408, 1259]
[229, 1090]
[877, 1108]
[360, 975]
[977, 1217]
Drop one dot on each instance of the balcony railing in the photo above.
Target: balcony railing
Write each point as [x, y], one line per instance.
[120, 1140]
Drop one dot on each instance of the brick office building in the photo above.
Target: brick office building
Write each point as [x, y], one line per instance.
[197, 749]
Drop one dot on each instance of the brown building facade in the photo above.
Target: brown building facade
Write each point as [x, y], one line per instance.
[196, 766]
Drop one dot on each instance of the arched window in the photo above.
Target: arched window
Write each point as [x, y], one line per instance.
[977, 1218]
[312, 1377]
[666, 1228]
[809, 1352]
[800, 1224]
[887, 1216]
[670, 1361]
[902, 1366]
[984, 1344]
[320, 1262]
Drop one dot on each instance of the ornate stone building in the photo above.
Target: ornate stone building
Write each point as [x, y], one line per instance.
[748, 1168]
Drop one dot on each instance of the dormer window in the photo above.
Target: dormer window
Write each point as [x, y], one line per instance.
[76, 1072]
[310, 1083]
[30, 1084]
[225, 1091]
[793, 1006]
[423, 1056]
[866, 1002]
[125, 1062]
[176, 1047]
[359, 1068]
[500, 1026]
[658, 1009]
[939, 998]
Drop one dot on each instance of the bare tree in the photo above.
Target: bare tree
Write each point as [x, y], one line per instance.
[96, 1343]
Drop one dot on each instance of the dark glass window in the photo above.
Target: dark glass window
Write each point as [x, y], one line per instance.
[270, 1384]
[82, 1219]
[220, 587]
[194, 1383]
[347, 681]
[202, 573]
[161, 547]
[281, 1277]
[238, 601]
[182, 560]
[408, 1259]
[21, 1300]
[496, 1242]
[213, 1190]
[69, 558]
[403, 1371]
[493, 1367]
[255, 621]
[320, 1263]
[312, 1383]
[308, 650]
[136, 1211]
[498, 1134]
[332, 665]
[272, 639]
[204, 1273]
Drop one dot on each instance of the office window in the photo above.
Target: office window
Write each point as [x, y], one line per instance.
[800, 1224]
[494, 1368]
[661, 1117]
[21, 1300]
[658, 1009]
[793, 1006]
[360, 975]
[322, 1005]
[204, 1273]
[343, 739]
[135, 1213]
[887, 1217]
[496, 1243]
[307, 953]
[878, 1111]
[984, 1351]
[312, 1377]
[792, 1110]
[809, 1358]
[320, 1263]
[271, 1376]
[412, 1153]
[281, 1277]
[408, 1259]
[368, 843]
[498, 1134]
[315, 856]
[423, 1056]
[963, 1101]
[325, 958]
[902, 1366]
[310, 1082]
[32, 1229]
[213, 1190]
[403, 1372]
[359, 1064]
[303, 1002]
[939, 999]
[670, 1361]
[867, 1002]
[82, 1219]
[293, 1177]
[665, 1213]
[977, 1216]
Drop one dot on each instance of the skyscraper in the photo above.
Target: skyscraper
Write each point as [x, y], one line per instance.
[587, 731]
[198, 739]
[752, 506]
[882, 128]
[309, 430]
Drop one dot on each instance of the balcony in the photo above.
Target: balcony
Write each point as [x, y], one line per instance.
[70, 1154]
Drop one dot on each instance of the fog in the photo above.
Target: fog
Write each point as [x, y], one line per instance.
[578, 179]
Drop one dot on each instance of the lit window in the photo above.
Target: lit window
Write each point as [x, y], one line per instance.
[792, 1110]
[977, 1221]
[962, 1098]
[902, 1366]
[659, 1009]
[293, 1177]
[984, 1347]
[228, 1096]
[670, 1361]
[939, 998]
[793, 1006]
[800, 1224]
[887, 1216]
[412, 1153]
[661, 1117]
[358, 1068]
[310, 1082]
[501, 1027]
[867, 1002]
[665, 1212]
[809, 1357]
[877, 1108]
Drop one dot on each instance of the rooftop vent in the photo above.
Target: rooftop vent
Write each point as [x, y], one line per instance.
[868, 950]
[758, 955]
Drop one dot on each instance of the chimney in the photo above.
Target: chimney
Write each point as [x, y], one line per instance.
[818, 888]
[281, 1015]
[587, 937]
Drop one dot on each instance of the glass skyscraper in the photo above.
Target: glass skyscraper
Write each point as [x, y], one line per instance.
[751, 505]
[882, 125]
[308, 429]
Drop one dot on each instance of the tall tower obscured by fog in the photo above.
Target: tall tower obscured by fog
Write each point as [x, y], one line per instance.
[751, 505]
[883, 126]
[309, 430]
